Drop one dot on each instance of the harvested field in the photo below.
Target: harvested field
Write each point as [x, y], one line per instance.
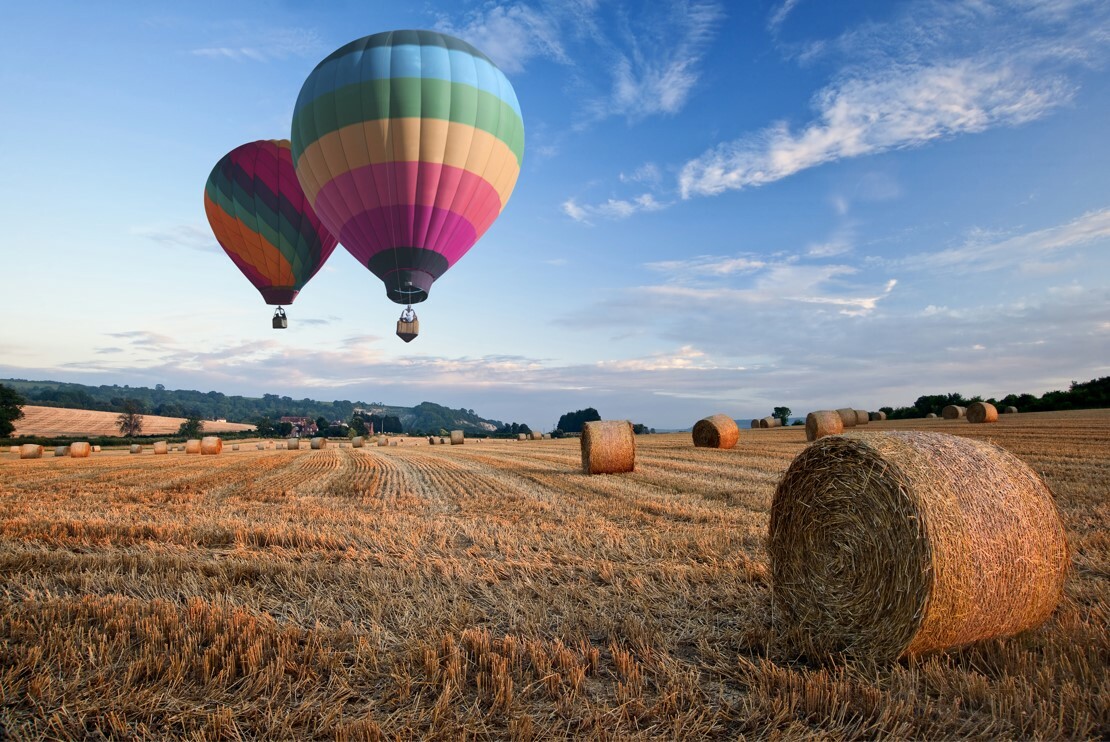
[491, 591]
[61, 421]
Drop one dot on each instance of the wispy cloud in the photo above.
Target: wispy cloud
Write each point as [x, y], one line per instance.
[985, 251]
[613, 208]
[250, 42]
[779, 14]
[892, 109]
[938, 71]
[191, 236]
[513, 34]
[707, 265]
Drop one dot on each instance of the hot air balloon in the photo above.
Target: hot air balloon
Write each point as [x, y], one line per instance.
[408, 145]
[263, 221]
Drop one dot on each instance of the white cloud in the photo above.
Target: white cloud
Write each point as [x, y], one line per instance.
[192, 236]
[648, 173]
[613, 208]
[513, 34]
[706, 265]
[891, 109]
[779, 14]
[984, 251]
[265, 44]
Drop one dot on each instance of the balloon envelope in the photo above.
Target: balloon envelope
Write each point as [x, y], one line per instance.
[408, 145]
[263, 221]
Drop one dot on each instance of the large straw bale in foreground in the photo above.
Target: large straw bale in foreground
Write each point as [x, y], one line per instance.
[456, 437]
[161, 447]
[79, 450]
[318, 443]
[982, 412]
[822, 423]
[969, 545]
[953, 412]
[847, 417]
[716, 431]
[30, 451]
[862, 418]
[608, 447]
[210, 445]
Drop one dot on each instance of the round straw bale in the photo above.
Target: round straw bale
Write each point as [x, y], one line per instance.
[261, 446]
[902, 543]
[456, 437]
[442, 441]
[522, 436]
[862, 418]
[393, 443]
[716, 431]
[1011, 410]
[847, 417]
[61, 451]
[96, 449]
[383, 441]
[210, 445]
[293, 444]
[608, 447]
[822, 423]
[13, 449]
[318, 443]
[755, 424]
[192, 445]
[982, 412]
[546, 436]
[953, 412]
[535, 436]
[358, 442]
[79, 450]
[161, 447]
[234, 446]
[931, 416]
[32, 451]
[431, 440]
[136, 448]
[877, 416]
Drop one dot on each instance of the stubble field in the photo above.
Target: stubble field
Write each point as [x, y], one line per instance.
[490, 590]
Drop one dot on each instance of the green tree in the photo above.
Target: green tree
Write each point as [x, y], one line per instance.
[11, 409]
[265, 426]
[130, 420]
[322, 425]
[285, 429]
[358, 425]
[192, 427]
[783, 414]
[572, 422]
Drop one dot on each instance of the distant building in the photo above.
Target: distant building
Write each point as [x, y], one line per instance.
[301, 425]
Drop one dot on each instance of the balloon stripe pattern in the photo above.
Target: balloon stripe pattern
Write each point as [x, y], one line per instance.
[408, 144]
[263, 220]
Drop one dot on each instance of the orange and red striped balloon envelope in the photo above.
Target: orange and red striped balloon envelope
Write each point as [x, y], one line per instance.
[263, 220]
[408, 145]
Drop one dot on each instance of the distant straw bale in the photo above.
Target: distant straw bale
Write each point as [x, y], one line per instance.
[894, 544]
[877, 416]
[210, 445]
[953, 412]
[770, 422]
[13, 449]
[522, 436]
[318, 443]
[96, 449]
[822, 423]
[755, 424]
[293, 444]
[443, 441]
[136, 448]
[61, 451]
[716, 431]
[1011, 410]
[261, 446]
[847, 417]
[31, 451]
[431, 440]
[79, 450]
[456, 437]
[358, 442]
[931, 416]
[383, 441]
[608, 447]
[536, 436]
[161, 448]
[982, 412]
[192, 446]
[234, 446]
[862, 417]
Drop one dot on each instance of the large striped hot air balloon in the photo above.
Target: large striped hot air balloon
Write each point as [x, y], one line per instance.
[408, 144]
[263, 221]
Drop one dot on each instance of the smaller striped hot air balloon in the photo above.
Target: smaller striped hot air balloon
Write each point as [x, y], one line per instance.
[264, 223]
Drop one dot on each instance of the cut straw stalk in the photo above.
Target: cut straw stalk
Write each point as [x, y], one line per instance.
[608, 447]
[891, 544]
[716, 431]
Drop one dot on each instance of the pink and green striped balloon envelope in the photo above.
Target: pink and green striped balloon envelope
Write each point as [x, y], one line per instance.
[408, 145]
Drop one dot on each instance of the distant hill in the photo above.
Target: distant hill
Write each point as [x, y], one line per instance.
[49, 422]
[180, 403]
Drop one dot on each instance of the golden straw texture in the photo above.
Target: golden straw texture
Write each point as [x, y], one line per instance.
[61, 451]
[210, 445]
[1011, 410]
[982, 412]
[716, 431]
[161, 447]
[358, 442]
[192, 445]
[608, 447]
[318, 443]
[847, 417]
[31, 451]
[79, 450]
[136, 448]
[891, 544]
[878, 416]
[862, 418]
[456, 437]
[293, 444]
[822, 423]
[953, 412]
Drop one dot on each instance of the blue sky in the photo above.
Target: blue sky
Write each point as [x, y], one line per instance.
[723, 207]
